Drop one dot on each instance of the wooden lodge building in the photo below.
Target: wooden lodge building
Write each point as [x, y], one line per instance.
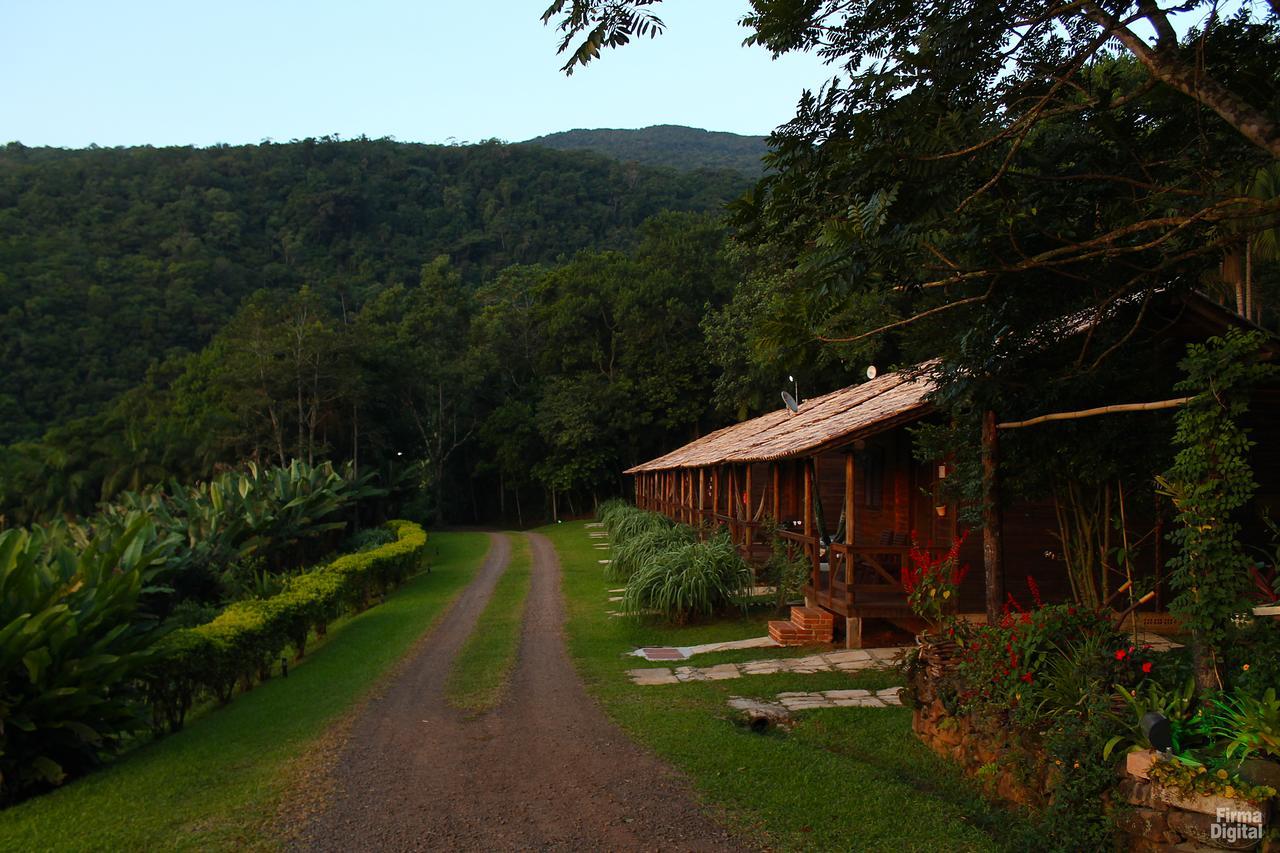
[840, 481]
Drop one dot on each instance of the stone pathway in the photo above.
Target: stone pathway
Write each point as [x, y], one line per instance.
[682, 652]
[888, 697]
[847, 660]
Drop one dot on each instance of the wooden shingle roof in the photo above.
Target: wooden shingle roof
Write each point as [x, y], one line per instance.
[822, 422]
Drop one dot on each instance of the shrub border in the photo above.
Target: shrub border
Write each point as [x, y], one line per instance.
[242, 642]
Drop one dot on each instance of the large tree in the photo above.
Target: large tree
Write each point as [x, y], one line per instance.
[982, 172]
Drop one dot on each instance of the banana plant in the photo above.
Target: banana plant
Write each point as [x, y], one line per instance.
[70, 643]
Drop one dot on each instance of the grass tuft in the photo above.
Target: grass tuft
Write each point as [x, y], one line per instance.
[684, 581]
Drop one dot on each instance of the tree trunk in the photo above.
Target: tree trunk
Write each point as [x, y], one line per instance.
[1204, 663]
[992, 532]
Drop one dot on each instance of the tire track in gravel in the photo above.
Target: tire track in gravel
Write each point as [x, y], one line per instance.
[544, 770]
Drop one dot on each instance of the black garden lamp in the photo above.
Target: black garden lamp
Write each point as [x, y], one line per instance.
[1157, 730]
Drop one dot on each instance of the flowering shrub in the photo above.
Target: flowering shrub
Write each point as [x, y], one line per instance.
[931, 583]
[1000, 664]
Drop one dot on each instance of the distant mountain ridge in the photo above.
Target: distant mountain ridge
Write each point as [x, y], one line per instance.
[671, 145]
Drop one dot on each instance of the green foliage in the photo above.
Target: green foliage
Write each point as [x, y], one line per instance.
[1000, 666]
[368, 539]
[1077, 818]
[1178, 705]
[673, 146]
[626, 523]
[1251, 657]
[70, 644]
[484, 393]
[1209, 483]
[689, 580]
[1250, 724]
[1191, 778]
[785, 571]
[242, 642]
[645, 548]
[224, 537]
[138, 253]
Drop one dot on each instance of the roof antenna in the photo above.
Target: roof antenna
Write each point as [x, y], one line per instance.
[792, 401]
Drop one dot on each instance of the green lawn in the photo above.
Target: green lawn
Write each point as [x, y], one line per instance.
[482, 668]
[848, 778]
[218, 784]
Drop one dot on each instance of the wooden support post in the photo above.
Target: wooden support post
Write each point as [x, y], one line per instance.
[853, 632]
[775, 475]
[731, 503]
[686, 495]
[992, 532]
[811, 553]
[702, 496]
[746, 501]
[850, 521]
[688, 491]
[715, 492]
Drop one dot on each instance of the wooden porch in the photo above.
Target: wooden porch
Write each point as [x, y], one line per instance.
[848, 512]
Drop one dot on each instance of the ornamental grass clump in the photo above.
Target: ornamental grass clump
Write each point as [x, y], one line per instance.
[645, 549]
[697, 579]
[628, 522]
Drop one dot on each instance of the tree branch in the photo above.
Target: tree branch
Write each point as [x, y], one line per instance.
[1164, 65]
[900, 323]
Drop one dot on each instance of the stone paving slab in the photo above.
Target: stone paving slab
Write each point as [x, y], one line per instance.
[590, 524]
[690, 651]
[849, 660]
[793, 701]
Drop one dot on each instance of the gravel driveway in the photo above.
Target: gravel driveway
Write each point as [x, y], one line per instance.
[544, 770]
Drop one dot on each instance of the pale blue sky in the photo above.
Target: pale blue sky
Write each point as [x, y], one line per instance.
[171, 73]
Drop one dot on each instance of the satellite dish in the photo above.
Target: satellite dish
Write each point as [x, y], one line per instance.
[871, 371]
[791, 402]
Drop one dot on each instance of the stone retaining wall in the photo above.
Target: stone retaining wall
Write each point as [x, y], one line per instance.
[1149, 817]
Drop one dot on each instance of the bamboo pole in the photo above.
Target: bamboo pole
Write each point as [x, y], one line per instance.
[1100, 410]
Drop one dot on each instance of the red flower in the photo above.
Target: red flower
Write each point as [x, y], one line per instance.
[1146, 667]
[1120, 653]
[1027, 677]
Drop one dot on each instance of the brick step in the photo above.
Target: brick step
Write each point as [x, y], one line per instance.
[812, 618]
[789, 634]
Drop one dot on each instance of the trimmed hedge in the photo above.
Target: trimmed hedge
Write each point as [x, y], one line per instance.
[243, 641]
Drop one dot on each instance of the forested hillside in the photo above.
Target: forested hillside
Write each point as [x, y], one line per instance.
[112, 259]
[666, 145]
